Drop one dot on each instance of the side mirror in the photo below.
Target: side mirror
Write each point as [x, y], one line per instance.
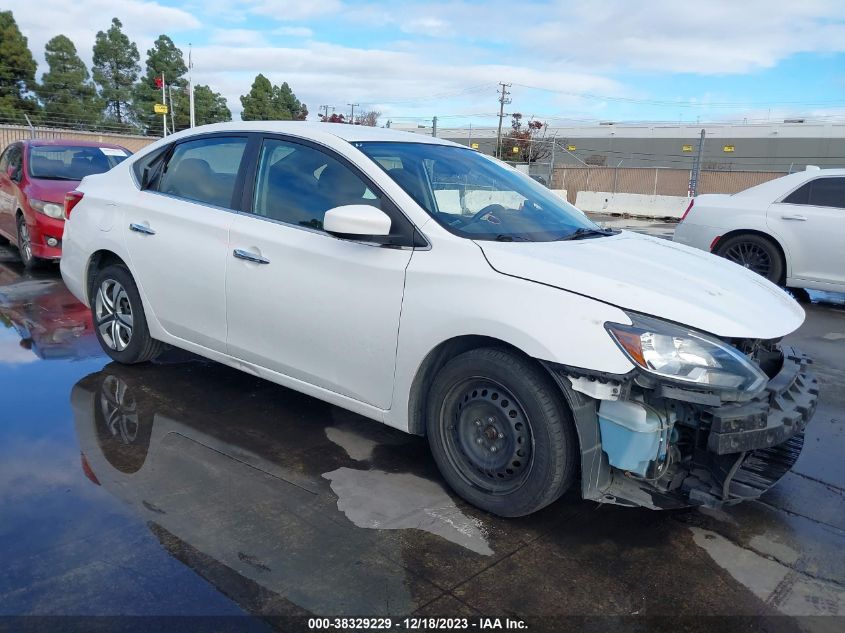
[357, 221]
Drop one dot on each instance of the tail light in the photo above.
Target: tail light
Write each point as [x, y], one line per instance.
[72, 198]
[689, 208]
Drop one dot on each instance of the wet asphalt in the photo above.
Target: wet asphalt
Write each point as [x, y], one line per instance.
[185, 488]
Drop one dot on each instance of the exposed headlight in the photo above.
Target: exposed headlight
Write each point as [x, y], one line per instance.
[684, 355]
[50, 209]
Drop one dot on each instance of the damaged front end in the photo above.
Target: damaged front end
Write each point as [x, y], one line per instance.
[663, 440]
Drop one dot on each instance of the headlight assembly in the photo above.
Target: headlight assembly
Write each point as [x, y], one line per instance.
[687, 356]
[50, 209]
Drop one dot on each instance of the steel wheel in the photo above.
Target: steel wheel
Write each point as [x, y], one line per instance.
[119, 409]
[113, 314]
[488, 435]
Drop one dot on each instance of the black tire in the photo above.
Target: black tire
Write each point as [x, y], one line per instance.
[523, 416]
[755, 252]
[136, 346]
[30, 262]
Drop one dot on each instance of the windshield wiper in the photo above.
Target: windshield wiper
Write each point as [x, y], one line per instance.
[504, 237]
[584, 232]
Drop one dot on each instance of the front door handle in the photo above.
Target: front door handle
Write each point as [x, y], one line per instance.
[250, 257]
[797, 218]
[141, 228]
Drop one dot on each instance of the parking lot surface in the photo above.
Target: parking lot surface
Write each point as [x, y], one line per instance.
[187, 488]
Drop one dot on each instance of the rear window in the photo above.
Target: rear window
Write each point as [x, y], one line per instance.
[72, 162]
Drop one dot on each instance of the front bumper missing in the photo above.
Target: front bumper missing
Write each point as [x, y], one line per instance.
[743, 449]
[782, 410]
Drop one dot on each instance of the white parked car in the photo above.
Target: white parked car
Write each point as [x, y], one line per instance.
[431, 288]
[790, 230]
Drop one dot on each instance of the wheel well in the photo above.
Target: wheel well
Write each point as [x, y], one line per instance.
[433, 362]
[98, 261]
[765, 236]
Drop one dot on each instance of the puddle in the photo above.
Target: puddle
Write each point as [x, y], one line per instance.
[379, 500]
[789, 591]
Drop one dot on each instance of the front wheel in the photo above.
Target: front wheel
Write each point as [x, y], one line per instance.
[756, 253]
[25, 246]
[500, 432]
[119, 319]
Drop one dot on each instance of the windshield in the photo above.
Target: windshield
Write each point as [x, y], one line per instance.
[68, 162]
[475, 196]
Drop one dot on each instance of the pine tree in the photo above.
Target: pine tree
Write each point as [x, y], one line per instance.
[210, 106]
[17, 71]
[163, 57]
[266, 102]
[115, 70]
[66, 90]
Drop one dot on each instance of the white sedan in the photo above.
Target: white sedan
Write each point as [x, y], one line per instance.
[431, 288]
[790, 230]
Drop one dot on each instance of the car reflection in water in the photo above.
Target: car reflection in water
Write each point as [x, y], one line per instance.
[248, 483]
[49, 322]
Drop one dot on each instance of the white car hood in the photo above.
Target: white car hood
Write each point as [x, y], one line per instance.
[655, 277]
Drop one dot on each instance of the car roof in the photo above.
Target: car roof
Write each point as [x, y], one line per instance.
[320, 131]
[72, 142]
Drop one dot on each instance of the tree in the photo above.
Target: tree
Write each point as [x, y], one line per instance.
[164, 57]
[210, 106]
[524, 142]
[17, 70]
[115, 70]
[368, 118]
[334, 118]
[266, 102]
[69, 97]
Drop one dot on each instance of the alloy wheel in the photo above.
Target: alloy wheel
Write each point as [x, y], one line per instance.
[119, 410]
[751, 256]
[113, 312]
[24, 241]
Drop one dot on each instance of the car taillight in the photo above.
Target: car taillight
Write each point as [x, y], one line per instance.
[689, 208]
[72, 198]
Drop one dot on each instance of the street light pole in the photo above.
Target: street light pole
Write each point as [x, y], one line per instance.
[191, 87]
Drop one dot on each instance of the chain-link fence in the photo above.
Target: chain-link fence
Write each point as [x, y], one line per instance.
[11, 133]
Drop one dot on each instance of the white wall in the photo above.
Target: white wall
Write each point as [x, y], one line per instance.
[632, 204]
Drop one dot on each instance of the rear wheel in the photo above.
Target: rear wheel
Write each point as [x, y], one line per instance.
[755, 252]
[500, 432]
[25, 246]
[119, 319]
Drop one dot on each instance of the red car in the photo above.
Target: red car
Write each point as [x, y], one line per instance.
[34, 178]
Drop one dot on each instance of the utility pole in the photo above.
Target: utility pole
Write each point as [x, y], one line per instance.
[434, 127]
[696, 168]
[326, 108]
[164, 102]
[172, 114]
[503, 99]
[352, 115]
[191, 87]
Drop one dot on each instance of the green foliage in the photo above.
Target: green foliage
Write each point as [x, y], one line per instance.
[115, 70]
[266, 102]
[210, 106]
[66, 91]
[17, 71]
[163, 57]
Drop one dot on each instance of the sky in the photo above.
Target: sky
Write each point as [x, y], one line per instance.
[568, 62]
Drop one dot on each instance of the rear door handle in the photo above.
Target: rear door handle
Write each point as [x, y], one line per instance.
[798, 218]
[140, 228]
[250, 257]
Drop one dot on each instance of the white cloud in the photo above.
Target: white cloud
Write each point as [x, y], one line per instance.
[80, 20]
[238, 37]
[294, 31]
[430, 26]
[294, 10]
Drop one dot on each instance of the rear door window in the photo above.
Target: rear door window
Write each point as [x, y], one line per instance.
[828, 192]
[204, 170]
